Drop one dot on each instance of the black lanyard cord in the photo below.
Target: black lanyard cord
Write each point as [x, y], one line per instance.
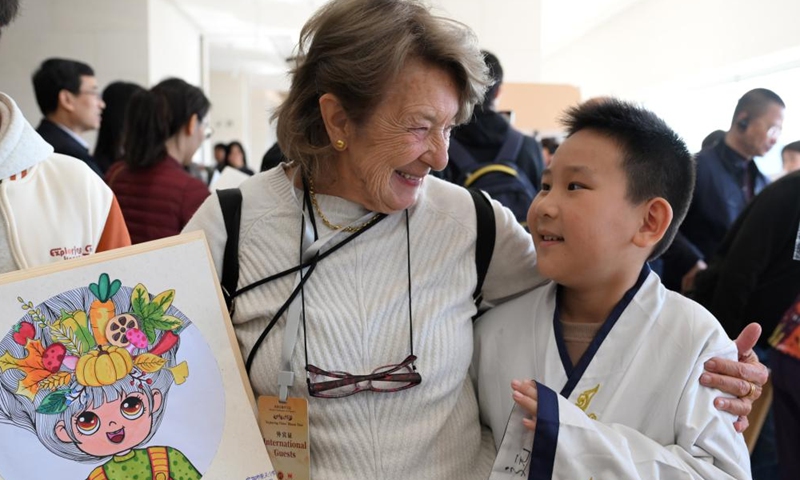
[410, 317]
[319, 258]
[278, 314]
[299, 288]
[410, 321]
[307, 207]
[311, 265]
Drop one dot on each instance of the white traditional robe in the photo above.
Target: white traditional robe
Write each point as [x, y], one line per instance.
[632, 407]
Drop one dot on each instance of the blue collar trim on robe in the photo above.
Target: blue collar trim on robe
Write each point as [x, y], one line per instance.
[575, 373]
[545, 440]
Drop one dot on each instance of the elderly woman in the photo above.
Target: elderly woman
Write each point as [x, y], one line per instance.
[378, 86]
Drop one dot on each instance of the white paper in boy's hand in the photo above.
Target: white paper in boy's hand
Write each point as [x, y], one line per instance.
[228, 178]
[514, 455]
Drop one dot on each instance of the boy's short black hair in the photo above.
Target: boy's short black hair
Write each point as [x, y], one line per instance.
[655, 159]
[54, 75]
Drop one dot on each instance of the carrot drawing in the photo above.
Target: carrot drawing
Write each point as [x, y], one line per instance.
[102, 308]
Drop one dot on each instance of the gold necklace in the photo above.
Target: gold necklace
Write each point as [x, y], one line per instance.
[328, 223]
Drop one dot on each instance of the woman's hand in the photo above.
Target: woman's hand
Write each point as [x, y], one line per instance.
[742, 379]
[526, 395]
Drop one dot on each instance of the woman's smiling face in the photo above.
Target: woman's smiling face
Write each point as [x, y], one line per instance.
[114, 427]
[387, 158]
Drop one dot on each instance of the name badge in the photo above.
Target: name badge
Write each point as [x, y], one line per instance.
[284, 427]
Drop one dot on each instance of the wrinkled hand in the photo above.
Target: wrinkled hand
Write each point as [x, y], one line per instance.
[526, 395]
[687, 282]
[735, 378]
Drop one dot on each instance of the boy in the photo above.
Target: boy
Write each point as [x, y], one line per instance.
[624, 352]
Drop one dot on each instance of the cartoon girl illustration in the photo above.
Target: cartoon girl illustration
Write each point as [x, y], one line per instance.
[89, 372]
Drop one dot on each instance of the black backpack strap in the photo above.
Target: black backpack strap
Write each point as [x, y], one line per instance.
[511, 146]
[484, 245]
[230, 201]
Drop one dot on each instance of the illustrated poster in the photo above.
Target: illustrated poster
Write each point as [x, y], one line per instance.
[124, 365]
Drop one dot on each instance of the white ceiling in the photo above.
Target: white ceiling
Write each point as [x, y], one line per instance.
[565, 21]
[253, 36]
[256, 36]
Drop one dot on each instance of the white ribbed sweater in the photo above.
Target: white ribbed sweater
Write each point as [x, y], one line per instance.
[357, 320]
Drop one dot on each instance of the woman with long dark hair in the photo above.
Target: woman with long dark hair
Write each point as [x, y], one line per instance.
[236, 158]
[116, 96]
[164, 127]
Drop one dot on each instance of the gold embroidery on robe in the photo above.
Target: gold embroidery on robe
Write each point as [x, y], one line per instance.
[585, 398]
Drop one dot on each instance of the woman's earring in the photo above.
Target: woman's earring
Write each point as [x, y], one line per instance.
[340, 145]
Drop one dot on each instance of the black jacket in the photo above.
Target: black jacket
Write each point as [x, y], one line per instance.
[718, 199]
[484, 135]
[755, 276]
[272, 158]
[64, 144]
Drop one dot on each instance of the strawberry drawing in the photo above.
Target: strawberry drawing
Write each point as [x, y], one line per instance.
[22, 332]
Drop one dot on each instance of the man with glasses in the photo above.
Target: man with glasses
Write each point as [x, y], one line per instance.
[727, 179]
[69, 98]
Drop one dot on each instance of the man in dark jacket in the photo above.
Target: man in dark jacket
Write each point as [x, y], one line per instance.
[727, 178]
[755, 275]
[486, 132]
[69, 98]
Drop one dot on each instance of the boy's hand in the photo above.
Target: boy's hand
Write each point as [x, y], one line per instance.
[742, 379]
[526, 395]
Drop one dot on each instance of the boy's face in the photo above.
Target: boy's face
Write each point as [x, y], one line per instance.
[581, 222]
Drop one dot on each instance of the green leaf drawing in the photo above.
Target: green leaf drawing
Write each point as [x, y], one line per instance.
[151, 313]
[104, 288]
[177, 323]
[95, 290]
[139, 300]
[165, 323]
[150, 331]
[53, 403]
[164, 300]
[114, 288]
